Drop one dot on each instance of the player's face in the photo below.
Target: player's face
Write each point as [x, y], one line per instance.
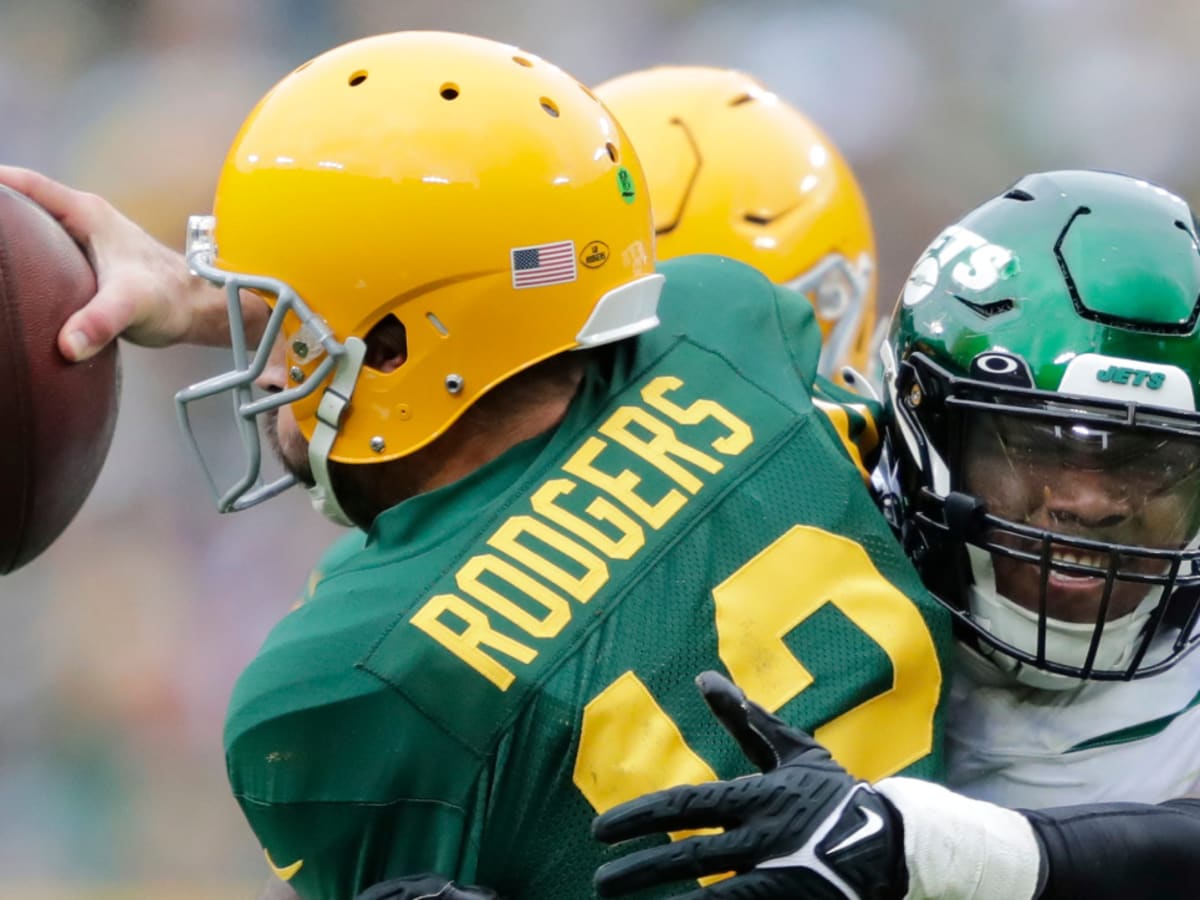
[283, 433]
[1118, 487]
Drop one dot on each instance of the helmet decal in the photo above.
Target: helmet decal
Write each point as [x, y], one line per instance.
[1128, 380]
[974, 264]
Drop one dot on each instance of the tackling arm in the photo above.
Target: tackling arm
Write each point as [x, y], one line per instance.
[1120, 851]
[806, 827]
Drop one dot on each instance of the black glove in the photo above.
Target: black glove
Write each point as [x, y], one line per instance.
[803, 829]
[425, 887]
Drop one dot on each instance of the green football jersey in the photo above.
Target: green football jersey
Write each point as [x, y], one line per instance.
[513, 652]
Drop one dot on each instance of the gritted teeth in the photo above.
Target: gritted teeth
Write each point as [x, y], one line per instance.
[1078, 558]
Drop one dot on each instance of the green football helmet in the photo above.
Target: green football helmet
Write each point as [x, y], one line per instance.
[1043, 461]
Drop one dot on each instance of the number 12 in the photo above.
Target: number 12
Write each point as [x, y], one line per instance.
[629, 746]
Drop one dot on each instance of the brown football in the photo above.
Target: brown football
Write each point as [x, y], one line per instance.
[56, 417]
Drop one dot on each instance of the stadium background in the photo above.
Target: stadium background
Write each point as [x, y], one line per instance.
[119, 647]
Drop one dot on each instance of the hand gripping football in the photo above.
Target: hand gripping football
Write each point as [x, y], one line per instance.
[56, 417]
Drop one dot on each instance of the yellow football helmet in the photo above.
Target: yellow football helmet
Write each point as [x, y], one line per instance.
[734, 170]
[481, 196]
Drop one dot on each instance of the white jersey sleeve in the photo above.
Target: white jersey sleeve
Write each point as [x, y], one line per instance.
[1136, 741]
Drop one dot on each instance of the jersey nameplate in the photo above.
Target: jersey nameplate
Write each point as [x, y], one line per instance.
[614, 528]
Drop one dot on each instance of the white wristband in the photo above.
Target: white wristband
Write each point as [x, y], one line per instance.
[963, 849]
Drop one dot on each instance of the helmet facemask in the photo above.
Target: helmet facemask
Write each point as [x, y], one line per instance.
[840, 291]
[323, 364]
[1062, 529]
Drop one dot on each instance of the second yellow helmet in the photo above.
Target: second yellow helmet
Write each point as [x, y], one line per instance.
[736, 171]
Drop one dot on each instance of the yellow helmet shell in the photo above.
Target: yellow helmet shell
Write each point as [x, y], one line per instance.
[480, 195]
[736, 171]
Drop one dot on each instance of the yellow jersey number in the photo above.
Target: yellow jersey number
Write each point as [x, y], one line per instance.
[629, 746]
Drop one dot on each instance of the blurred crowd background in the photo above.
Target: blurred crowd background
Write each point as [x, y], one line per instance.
[119, 647]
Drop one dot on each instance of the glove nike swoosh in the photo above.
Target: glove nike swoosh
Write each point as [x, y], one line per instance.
[872, 826]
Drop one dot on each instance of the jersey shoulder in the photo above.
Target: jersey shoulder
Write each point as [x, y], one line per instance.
[322, 753]
[326, 667]
[341, 552]
[770, 335]
[307, 688]
[735, 310]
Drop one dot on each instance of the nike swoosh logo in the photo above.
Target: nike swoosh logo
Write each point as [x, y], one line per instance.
[283, 873]
[869, 828]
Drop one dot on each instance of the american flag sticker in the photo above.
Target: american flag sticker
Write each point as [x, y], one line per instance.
[543, 264]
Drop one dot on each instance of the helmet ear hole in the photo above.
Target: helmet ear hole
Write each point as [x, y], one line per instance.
[387, 345]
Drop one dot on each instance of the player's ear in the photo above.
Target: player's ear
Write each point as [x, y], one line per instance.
[387, 345]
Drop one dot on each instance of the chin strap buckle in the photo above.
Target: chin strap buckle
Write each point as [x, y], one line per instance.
[329, 417]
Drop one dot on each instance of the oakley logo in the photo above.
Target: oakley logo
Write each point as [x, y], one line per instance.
[1133, 377]
[998, 364]
[1002, 368]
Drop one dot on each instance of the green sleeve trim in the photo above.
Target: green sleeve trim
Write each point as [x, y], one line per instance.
[1134, 732]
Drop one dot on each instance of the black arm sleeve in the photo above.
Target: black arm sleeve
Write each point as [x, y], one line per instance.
[1120, 851]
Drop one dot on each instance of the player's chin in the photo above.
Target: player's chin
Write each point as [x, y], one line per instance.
[289, 446]
[300, 470]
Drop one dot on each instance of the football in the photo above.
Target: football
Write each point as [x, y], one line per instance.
[58, 416]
